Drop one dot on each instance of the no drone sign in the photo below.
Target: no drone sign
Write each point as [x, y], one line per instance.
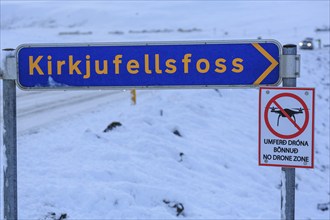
[286, 127]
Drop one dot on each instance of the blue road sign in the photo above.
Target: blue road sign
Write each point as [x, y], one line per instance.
[156, 64]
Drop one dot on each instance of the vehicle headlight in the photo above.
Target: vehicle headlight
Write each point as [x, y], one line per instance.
[300, 44]
[309, 44]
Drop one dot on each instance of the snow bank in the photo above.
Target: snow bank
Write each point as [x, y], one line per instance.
[195, 148]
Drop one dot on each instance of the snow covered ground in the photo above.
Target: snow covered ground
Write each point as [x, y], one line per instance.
[194, 147]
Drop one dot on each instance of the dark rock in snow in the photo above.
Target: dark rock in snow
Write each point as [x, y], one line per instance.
[177, 133]
[112, 126]
[179, 208]
[166, 201]
[63, 216]
[181, 155]
[177, 205]
[323, 206]
[52, 216]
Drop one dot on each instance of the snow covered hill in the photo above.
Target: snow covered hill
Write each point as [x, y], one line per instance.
[187, 154]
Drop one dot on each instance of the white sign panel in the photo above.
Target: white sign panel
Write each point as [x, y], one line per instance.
[286, 127]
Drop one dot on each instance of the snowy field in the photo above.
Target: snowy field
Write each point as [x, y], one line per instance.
[192, 148]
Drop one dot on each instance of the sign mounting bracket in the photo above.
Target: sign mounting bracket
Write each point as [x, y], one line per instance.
[290, 66]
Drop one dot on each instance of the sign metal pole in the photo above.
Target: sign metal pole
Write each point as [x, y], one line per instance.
[9, 141]
[290, 74]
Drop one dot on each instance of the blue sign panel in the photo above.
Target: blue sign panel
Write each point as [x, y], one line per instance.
[155, 65]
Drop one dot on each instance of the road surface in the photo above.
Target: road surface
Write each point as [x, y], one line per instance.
[38, 108]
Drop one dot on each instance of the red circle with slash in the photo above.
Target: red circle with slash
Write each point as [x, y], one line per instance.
[274, 101]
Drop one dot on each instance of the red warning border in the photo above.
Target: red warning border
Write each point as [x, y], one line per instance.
[300, 129]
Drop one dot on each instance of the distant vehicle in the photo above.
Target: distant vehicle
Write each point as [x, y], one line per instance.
[307, 44]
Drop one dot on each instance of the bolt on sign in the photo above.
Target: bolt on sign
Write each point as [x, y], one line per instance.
[286, 127]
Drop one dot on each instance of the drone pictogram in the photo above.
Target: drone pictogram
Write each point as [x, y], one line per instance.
[289, 112]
